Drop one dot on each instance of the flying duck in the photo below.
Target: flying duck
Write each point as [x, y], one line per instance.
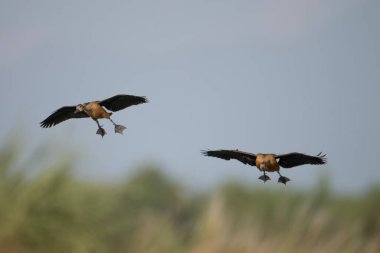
[268, 162]
[95, 111]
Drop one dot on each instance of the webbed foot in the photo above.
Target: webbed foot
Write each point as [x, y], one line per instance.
[264, 178]
[101, 131]
[119, 129]
[283, 180]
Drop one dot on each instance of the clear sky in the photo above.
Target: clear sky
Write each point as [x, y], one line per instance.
[262, 76]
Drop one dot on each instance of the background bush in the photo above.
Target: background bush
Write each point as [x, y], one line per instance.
[51, 210]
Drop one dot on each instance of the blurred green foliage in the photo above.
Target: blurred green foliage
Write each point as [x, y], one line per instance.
[54, 211]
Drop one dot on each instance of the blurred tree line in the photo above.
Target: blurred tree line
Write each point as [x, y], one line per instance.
[54, 211]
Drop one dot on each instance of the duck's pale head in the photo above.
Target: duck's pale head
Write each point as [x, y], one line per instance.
[79, 108]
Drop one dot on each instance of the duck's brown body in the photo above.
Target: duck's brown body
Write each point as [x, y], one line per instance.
[95, 111]
[267, 162]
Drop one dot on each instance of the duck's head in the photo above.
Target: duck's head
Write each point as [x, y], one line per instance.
[79, 108]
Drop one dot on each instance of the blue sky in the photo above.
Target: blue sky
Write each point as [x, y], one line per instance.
[262, 76]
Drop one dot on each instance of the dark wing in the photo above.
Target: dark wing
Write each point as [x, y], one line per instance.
[244, 157]
[119, 102]
[295, 159]
[62, 114]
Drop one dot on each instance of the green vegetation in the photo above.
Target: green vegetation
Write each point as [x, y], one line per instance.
[53, 211]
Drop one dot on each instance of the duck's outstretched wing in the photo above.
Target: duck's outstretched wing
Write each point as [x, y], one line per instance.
[62, 114]
[244, 157]
[120, 102]
[295, 159]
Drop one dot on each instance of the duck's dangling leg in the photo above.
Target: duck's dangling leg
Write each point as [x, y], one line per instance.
[282, 179]
[118, 128]
[100, 130]
[264, 177]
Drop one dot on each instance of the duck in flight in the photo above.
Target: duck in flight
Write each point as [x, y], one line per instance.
[94, 110]
[268, 162]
